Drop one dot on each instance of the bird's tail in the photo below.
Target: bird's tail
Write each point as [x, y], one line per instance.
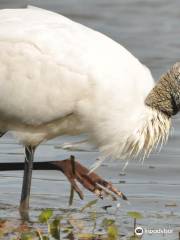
[151, 130]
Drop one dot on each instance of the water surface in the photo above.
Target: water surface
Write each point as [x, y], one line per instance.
[150, 30]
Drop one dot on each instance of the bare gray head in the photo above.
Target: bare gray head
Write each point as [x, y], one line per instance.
[165, 96]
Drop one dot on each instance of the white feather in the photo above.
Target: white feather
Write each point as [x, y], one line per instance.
[60, 77]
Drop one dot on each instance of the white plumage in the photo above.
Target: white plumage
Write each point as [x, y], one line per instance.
[60, 77]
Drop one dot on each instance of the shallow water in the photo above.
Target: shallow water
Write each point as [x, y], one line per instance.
[150, 30]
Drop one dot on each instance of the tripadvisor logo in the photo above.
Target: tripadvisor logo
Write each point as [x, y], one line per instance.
[139, 231]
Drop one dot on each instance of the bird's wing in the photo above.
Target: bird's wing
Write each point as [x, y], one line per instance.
[51, 66]
[42, 75]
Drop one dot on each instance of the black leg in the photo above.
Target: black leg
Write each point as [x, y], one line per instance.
[73, 170]
[2, 133]
[18, 166]
[26, 187]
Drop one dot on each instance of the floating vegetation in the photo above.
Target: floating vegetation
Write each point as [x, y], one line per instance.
[69, 226]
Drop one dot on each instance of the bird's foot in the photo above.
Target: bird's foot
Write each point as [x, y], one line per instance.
[75, 172]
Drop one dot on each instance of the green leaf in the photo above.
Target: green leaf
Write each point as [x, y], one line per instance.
[55, 228]
[89, 205]
[112, 232]
[28, 236]
[107, 222]
[86, 236]
[133, 238]
[93, 216]
[67, 229]
[136, 215]
[45, 215]
[46, 238]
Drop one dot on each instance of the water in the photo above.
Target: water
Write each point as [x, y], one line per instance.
[150, 30]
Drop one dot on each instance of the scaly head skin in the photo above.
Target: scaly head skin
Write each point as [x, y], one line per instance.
[165, 96]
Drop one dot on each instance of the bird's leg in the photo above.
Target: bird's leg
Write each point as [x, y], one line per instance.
[74, 172]
[26, 187]
[78, 173]
[2, 133]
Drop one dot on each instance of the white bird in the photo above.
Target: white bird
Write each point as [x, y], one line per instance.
[59, 77]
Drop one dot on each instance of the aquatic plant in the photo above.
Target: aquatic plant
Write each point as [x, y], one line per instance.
[50, 226]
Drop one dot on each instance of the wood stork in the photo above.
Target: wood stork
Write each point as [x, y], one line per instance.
[59, 77]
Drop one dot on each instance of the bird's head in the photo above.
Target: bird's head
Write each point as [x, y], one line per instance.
[165, 96]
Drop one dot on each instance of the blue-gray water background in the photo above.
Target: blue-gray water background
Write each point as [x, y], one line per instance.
[150, 29]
